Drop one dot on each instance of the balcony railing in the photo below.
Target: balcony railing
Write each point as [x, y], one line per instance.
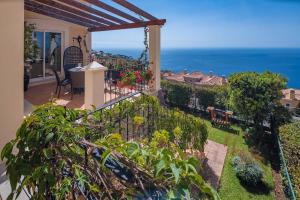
[118, 66]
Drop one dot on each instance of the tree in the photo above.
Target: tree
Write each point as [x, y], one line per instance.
[255, 97]
[297, 111]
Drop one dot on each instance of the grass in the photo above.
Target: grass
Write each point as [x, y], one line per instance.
[230, 187]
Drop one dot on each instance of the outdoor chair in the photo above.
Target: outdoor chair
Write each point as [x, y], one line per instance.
[72, 57]
[62, 83]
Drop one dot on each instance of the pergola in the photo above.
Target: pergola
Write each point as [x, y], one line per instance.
[94, 14]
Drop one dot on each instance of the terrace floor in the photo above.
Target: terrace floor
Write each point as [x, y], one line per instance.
[41, 94]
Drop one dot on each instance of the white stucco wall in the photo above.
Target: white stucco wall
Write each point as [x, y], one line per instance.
[12, 69]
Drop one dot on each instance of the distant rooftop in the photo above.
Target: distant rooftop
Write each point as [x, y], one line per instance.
[197, 78]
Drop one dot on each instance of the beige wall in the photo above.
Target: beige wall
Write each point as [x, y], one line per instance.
[12, 69]
[69, 30]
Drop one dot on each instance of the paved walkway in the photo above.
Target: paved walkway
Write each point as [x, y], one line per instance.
[213, 163]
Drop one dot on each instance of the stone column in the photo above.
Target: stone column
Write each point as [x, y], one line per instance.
[12, 68]
[94, 85]
[154, 51]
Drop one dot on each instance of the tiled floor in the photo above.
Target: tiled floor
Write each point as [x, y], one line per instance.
[40, 94]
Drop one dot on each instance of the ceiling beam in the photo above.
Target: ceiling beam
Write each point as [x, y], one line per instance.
[76, 11]
[49, 14]
[111, 9]
[135, 9]
[92, 10]
[62, 13]
[128, 26]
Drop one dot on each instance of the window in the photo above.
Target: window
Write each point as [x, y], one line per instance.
[49, 54]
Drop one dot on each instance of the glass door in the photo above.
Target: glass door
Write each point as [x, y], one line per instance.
[37, 70]
[49, 55]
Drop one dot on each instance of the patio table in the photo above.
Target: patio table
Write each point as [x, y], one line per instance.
[77, 79]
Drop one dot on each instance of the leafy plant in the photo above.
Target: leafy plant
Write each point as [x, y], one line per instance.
[247, 170]
[132, 78]
[290, 139]
[30, 45]
[57, 158]
[255, 96]
[181, 94]
[177, 94]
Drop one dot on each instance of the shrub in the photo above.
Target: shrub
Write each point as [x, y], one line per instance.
[236, 160]
[177, 94]
[290, 138]
[180, 94]
[249, 172]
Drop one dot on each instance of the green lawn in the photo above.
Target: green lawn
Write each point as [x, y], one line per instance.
[231, 188]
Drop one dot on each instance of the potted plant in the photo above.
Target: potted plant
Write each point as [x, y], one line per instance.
[30, 52]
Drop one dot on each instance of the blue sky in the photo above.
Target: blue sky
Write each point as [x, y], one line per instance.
[215, 24]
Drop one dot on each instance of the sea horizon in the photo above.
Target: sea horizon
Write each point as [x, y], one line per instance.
[226, 61]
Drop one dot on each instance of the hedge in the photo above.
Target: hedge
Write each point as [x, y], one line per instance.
[290, 139]
[184, 95]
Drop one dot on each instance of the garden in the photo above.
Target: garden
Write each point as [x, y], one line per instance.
[134, 149]
[253, 155]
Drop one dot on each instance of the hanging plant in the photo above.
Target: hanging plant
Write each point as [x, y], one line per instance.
[132, 78]
[30, 45]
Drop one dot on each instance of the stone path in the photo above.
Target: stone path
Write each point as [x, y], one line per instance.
[213, 163]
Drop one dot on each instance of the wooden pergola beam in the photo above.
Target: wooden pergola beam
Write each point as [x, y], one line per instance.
[76, 11]
[111, 9]
[63, 13]
[128, 26]
[92, 10]
[49, 14]
[135, 9]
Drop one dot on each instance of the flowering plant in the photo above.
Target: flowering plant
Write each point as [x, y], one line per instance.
[131, 78]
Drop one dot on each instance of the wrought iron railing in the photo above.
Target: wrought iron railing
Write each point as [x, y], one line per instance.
[117, 66]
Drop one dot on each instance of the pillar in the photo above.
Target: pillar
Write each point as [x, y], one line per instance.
[94, 85]
[154, 51]
[12, 68]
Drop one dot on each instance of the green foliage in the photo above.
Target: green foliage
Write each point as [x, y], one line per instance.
[178, 94]
[193, 131]
[45, 134]
[298, 109]
[255, 96]
[247, 170]
[211, 96]
[168, 165]
[50, 145]
[290, 139]
[30, 45]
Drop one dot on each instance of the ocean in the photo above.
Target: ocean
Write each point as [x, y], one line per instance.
[228, 61]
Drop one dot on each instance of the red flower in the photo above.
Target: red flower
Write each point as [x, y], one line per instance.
[122, 74]
[137, 73]
[139, 80]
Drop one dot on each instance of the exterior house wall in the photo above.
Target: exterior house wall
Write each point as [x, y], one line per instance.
[69, 30]
[12, 68]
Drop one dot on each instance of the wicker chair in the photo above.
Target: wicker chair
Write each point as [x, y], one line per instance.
[72, 57]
